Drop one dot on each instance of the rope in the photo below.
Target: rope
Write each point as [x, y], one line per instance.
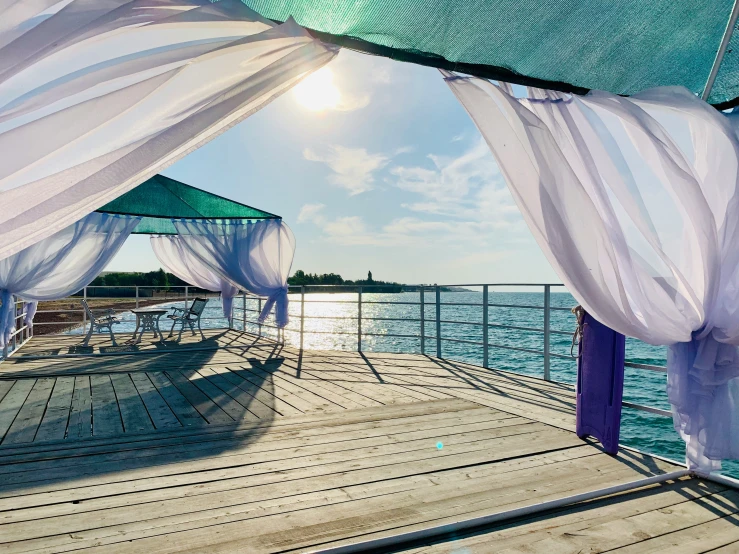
[579, 312]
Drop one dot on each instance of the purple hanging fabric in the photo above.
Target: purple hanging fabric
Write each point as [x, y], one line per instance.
[600, 383]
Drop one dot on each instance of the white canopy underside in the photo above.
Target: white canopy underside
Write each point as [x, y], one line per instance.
[96, 97]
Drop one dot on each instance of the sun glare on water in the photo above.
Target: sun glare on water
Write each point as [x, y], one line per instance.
[317, 91]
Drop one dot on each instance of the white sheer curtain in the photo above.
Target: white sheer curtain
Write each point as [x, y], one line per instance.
[96, 97]
[178, 260]
[255, 256]
[634, 201]
[61, 264]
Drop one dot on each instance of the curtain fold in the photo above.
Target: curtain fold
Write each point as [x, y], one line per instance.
[256, 257]
[635, 203]
[176, 258]
[61, 264]
[96, 97]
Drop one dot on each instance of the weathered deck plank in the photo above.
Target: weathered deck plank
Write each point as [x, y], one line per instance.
[256, 448]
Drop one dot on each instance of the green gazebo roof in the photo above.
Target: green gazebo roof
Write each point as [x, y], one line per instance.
[161, 199]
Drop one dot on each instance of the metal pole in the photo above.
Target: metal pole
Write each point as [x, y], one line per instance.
[485, 358]
[15, 321]
[547, 314]
[359, 321]
[243, 312]
[423, 324]
[84, 312]
[137, 297]
[302, 314]
[259, 309]
[186, 293]
[392, 542]
[725, 40]
[438, 321]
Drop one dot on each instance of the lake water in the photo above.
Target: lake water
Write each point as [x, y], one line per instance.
[331, 324]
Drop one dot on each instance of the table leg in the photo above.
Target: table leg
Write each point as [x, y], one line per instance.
[138, 324]
[156, 323]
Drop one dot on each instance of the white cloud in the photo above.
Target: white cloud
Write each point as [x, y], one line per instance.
[353, 168]
[380, 74]
[463, 202]
[312, 213]
[468, 187]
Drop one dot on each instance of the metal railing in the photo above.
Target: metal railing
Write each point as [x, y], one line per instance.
[427, 329]
[430, 344]
[21, 331]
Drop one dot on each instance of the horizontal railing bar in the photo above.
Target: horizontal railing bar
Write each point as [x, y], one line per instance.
[516, 327]
[462, 341]
[650, 409]
[518, 348]
[526, 306]
[389, 335]
[475, 323]
[658, 368]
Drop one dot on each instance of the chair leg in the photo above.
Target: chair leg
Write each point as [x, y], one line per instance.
[182, 328]
[202, 336]
[88, 336]
[192, 328]
[172, 329]
[112, 338]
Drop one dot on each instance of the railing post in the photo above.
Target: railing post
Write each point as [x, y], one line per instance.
[485, 357]
[423, 323]
[187, 289]
[137, 297]
[243, 312]
[259, 313]
[547, 314]
[438, 321]
[359, 321]
[14, 301]
[302, 314]
[84, 312]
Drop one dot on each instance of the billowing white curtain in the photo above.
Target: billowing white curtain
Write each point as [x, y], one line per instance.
[96, 97]
[254, 256]
[176, 258]
[61, 264]
[634, 201]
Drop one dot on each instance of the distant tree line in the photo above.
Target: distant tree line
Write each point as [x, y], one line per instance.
[158, 278]
[300, 277]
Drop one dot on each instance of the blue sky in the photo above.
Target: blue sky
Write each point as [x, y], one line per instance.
[395, 179]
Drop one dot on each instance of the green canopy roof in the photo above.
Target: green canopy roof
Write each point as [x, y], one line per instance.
[161, 199]
[622, 46]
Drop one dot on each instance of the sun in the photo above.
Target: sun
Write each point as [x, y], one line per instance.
[317, 91]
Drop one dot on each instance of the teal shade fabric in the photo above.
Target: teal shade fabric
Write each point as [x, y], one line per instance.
[622, 46]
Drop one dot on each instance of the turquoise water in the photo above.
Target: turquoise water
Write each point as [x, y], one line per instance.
[331, 324]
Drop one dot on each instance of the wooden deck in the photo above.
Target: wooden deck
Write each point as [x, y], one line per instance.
[234, 444]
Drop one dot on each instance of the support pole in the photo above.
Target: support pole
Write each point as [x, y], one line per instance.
[302, 314]
[485, 349]
[359, 320]
[187, 290]
[438, 321]
[259, 312]
[725, 40]
[137, 297]
[243, 312]
[423, 322]
[84, 312]
[547, 324]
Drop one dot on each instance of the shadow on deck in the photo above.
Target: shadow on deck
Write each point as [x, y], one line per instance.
[238, 444]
